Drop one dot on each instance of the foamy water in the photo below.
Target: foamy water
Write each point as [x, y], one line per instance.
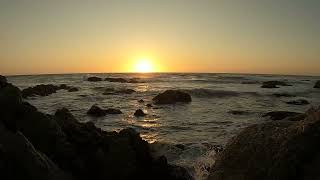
[188, 134]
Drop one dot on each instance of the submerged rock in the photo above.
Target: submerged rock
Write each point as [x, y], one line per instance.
[149, 105]
[141, 101]
[113, 111]
[274, 84]
[237, 112]
[120, 80]
[139, 113]
[171, 97]
[279, 115]
[73, 89]
[283, 95]
[94, 79]
[299, 102]
[273, 150]
[111, 91]
[317, 85]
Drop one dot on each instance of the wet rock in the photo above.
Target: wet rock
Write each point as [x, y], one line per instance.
[283, 95]
[236, 112]
[273, 150]
[274, 84]
[171, 97]
[73, 89]
[40, 90]
[317, 84]
[94, 79]
[149, 105]
[139, 113]
[96, 111]
[141, 101]
[298, 102]
[111, 91]
[120, 80]
[125, 91]
[279, 115]
[113, 111]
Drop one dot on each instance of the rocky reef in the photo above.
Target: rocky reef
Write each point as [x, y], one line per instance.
[39, 146]
[274, 150]
[45, 90]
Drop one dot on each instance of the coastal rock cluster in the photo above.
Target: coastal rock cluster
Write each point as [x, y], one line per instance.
[114, 79]
[36, 146]
[45, 90]
[274, 150]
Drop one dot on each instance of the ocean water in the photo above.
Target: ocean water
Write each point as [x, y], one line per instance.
[187, 134]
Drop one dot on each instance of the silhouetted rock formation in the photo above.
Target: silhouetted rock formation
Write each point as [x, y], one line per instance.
[298, 102]
[122, 80]
[317, 85]
[3, 81]
[38, 146]
[279, 115]
[171, 97]
[45, 90]
[274, 150]
[94, 79]
[274, 84]
[139, 113]
[98, 112]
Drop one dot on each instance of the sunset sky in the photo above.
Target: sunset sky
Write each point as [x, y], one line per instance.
[233, 36]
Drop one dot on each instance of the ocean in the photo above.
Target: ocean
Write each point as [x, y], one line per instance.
[190, 134]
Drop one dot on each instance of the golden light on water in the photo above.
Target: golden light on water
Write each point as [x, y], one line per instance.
[144, 65]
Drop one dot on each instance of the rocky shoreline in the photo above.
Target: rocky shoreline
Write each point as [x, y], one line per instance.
[34, 145]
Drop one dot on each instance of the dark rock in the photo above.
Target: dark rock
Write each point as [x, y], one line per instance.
[149, 105]
[40, 90]
[236, 112]
[274, 84]
[113, 111]
[299, 102]
[317, 85]
[279, 115]
[273, 150]
[171, 97]
[141, 101]
[3, 81]
[139, 113]
[283, 95]
[125, 91]
[94, 79]
[120, 80]
[96, 111]
[73, 89]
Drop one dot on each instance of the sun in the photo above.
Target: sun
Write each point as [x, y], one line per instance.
[144, 66]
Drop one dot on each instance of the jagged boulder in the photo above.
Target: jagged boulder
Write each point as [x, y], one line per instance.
[273, 150]
[171, 97]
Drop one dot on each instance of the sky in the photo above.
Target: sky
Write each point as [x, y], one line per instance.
[209, 36]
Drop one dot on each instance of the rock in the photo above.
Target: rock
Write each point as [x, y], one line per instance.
[273, 150]
[120, 80]
[20, 160]
[96, 111]
[73, 89]
[3, 81]
[149, 105]
[171, 97]
[94, 79]
[141, 101]
[236, 112]
[274, 84]
[317, 84]
[111, 91]
[40, 90]
[139, 113]
[283, 95]
[45, 90]
[113, 111]
[299, 102]
[279, 115]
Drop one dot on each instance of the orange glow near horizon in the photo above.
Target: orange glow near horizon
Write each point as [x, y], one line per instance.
[144, 65]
